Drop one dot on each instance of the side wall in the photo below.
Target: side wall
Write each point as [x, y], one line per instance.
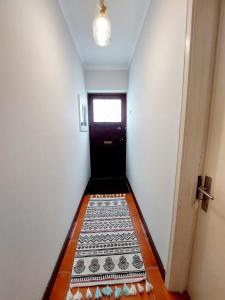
[44, 160]
[106, 80]
[154, 108]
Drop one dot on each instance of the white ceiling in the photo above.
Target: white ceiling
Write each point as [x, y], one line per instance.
[127, 17]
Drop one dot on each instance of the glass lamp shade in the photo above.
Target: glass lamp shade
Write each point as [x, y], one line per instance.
[102, 30]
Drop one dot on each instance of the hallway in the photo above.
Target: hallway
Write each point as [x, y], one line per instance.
[60, 285]
[101, 97]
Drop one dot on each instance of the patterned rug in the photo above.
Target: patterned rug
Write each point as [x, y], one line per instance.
[108, 251]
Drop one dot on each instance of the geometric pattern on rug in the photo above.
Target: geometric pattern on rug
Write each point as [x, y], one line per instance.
[107, 251]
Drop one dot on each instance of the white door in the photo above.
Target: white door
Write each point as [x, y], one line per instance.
[207, 277]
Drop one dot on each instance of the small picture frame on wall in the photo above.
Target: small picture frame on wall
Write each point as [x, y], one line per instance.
[83, 114]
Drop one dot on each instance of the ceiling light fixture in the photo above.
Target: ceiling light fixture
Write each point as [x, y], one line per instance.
[102, 26]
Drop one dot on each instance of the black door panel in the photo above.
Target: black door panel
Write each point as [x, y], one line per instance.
[107, 140]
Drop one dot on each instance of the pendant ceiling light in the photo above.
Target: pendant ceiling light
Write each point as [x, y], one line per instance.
[102, 26]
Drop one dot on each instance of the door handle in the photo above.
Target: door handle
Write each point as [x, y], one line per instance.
[203, 191]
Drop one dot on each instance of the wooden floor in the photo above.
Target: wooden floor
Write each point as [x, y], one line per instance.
[63, 277]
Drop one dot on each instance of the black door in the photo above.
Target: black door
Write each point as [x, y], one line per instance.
[107, 127]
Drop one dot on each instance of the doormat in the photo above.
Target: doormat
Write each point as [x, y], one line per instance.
[108, 251]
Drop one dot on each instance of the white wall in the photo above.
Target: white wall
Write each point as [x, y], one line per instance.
[154, 106]
[106, 80]
[44, 160]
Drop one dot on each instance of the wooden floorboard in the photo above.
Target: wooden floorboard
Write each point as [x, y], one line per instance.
[63, 277]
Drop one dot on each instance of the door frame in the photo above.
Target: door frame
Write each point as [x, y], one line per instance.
[200, 52]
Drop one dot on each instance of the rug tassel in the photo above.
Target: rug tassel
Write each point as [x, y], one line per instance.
[88, 294]
[98, 294]
[126, 290]
[107, 291]
[69, 295]
[117, 292]
[148, 287]
[133, 290]
[78, 295]
[140, 288]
